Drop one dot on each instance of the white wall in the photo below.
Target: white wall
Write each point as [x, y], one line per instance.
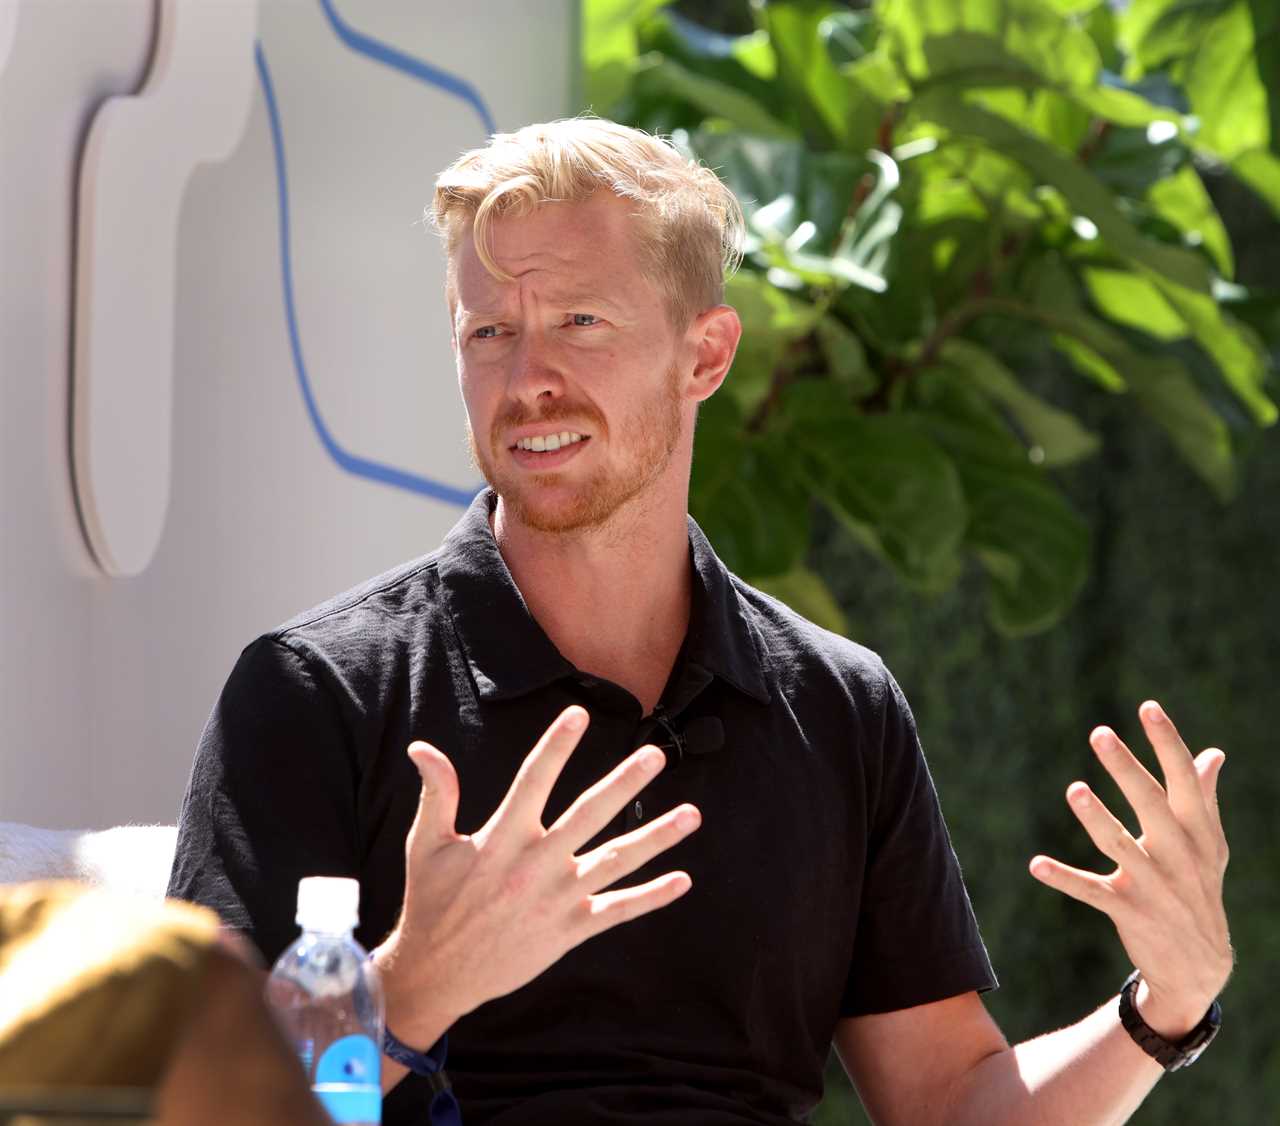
[106, 681]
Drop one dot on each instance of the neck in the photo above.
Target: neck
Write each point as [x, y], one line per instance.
[613, 599]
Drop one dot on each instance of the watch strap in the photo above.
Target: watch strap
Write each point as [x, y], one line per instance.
[1170, 1055]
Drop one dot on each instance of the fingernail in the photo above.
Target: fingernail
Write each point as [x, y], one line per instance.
[688, 818]
[652, 760]
[1153, 711]
[575, 719]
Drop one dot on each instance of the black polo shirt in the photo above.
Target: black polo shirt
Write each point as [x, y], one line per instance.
[824, 883]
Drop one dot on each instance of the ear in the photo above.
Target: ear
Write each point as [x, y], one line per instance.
[714, 336]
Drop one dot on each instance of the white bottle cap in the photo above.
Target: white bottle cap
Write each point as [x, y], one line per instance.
[329, 904]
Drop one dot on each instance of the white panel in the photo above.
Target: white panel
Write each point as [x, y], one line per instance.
[140, 154]
[8, 28]
[106, 683]
[65, 59]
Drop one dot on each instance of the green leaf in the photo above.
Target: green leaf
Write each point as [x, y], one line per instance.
[885, 478]
[745, 494]
[1129, 162]
[1166, 392]
[795, 185]
[1209, 48]
[1082, 190]
[609, 47]
[846, 357]
[808, 595]
[1090, 363]
[1122, 107]
[656, 75]
[806, 69]
[1057, 435]
[1234, 349]
[1183, 201]
[1136, 301]
[1020, 528]
[744, 61]
[937, 39]
[771, 320]
[1034, 548]
[1261, 171]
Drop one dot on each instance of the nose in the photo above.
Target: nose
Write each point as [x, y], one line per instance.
[534, 376]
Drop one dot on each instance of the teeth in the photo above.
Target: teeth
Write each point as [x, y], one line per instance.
[547, 443]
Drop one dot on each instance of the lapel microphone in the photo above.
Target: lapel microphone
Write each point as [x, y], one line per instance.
[701, 736]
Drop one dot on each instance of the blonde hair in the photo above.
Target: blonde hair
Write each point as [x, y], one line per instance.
[689, 224]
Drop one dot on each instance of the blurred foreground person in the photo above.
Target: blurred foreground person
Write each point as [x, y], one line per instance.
[103, 993]
[821, 901]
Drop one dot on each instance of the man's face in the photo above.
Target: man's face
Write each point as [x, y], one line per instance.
[575, 358]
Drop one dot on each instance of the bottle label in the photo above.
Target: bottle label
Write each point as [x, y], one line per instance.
[348, 1083]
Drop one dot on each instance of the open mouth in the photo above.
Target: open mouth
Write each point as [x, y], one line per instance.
[550, 443]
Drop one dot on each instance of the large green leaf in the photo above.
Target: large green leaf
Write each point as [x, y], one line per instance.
[1233, 347]
[846, 357]
[937, 39]
[657, 75]
[1261, 171]
[771, 321]
[796, 185]
[1130, 299]
[884, 477]
[1084, 192]
[1166, 392]
[1210, 48]
[610, 47]
[1057, 435]
[745, 493]
[1162, 386]
[1020, 528]
[806, 69]
[1034, 547]
[1182, 200]
[746, 62]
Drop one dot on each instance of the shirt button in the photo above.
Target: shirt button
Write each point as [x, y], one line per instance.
[639, 811]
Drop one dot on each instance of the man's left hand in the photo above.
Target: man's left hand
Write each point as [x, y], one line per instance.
[1165, 895]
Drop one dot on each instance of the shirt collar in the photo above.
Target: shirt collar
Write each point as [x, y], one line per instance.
[509, 654]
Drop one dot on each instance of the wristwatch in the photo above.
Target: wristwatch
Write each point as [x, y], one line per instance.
[1169, 1055]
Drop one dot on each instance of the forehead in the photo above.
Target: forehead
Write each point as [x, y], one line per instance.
[579, 248]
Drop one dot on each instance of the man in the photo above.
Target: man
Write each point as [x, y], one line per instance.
[820, 901]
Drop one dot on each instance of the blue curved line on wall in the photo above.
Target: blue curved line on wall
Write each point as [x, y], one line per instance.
[360, 466]
[391, 56]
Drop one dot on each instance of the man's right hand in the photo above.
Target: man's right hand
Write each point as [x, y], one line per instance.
[486, 913]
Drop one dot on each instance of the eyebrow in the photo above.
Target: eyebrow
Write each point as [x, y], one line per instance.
[568, 300]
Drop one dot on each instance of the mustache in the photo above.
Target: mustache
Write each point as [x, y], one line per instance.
[517, 414]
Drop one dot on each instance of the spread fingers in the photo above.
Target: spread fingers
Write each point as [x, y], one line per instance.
[604, 866]
[597, 806]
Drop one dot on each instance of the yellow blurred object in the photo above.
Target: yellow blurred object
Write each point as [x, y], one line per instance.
[95, 987]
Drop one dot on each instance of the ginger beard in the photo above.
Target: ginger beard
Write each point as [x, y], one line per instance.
[642, 447]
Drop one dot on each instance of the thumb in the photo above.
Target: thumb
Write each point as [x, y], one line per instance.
[438, 801]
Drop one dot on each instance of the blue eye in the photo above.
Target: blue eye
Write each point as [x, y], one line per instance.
[584, 319]
[486, 332]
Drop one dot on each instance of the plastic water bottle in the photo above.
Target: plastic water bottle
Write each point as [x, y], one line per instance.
[329, 1000]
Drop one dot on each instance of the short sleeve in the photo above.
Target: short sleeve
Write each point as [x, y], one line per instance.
[272, 798]
[917, 939]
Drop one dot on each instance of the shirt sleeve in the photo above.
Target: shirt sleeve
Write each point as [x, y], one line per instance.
[917, 939]
[272, 798]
